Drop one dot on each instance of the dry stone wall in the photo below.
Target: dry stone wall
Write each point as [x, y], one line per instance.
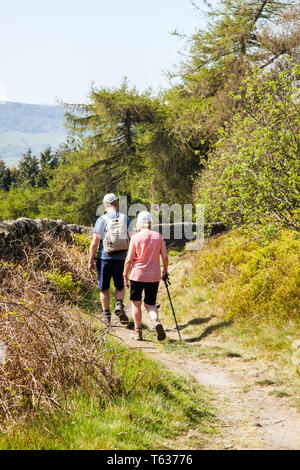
[15, 234]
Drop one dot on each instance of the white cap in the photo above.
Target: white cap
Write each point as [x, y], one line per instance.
[109, 198]
[144, 217]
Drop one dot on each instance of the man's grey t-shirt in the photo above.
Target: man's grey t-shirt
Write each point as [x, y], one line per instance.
[99, 229]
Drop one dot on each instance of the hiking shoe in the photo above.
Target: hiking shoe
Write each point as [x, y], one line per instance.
[120, 312]
[160, 333]
[138, 336]
[106, 317]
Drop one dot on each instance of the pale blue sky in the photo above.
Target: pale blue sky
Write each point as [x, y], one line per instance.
[55, 48]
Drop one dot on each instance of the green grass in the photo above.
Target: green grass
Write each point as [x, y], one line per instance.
[280, 393]
[207, 289]
[157, 414]
[263, 346]
[175, 251]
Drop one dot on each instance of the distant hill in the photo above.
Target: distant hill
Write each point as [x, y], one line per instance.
[29, 125]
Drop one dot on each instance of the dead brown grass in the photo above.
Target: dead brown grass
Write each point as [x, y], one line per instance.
[51, 348]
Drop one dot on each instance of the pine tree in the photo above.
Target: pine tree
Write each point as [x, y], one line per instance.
[28, 170]
[241, 35]
[5, 176]
[48, 161]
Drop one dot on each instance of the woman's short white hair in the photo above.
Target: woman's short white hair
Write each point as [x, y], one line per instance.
[144, 220]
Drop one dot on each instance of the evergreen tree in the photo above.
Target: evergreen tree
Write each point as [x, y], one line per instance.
[48, 161]
[241, 32]
[28, 170]
[129, 140]
[241, 35]
[5, 176]
[110, 125]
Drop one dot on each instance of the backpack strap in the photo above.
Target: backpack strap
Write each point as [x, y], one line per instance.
[105, 217]
[107, 220]
[122, 217]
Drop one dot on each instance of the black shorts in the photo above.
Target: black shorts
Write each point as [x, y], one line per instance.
[150, 288]
[110, 268]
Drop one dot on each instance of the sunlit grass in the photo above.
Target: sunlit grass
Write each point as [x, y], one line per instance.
[161, 408]
[208, 313]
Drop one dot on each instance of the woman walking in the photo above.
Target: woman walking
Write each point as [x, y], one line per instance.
[142, 267]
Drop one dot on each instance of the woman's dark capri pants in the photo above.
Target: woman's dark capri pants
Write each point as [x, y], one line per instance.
[150, 289]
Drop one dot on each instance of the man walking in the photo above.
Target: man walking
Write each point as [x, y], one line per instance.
[111, 239]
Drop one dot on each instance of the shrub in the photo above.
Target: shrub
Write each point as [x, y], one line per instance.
[52, 349]
[81, 240]
[64, 282]
[249, 278]
[252, 175]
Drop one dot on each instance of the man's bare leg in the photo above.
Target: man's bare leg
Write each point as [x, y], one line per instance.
[119, 309]
[120, 294]
[104, 299]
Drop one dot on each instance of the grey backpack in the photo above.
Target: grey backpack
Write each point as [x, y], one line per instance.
[116, 234]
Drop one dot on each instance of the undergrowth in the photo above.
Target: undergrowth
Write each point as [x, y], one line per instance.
[152, 413]
[237, 303]
[249, 278]
[50, 346]
[64, 383]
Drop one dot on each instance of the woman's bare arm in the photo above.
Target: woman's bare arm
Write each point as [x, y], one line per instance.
[164, 256]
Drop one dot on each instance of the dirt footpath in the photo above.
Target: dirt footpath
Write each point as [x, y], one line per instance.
[249, 417]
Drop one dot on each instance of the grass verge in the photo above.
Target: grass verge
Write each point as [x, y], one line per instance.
[65, 383]
[161, 411]
[236, 303]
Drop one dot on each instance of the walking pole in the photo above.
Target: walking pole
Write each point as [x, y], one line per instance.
[167, 282]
